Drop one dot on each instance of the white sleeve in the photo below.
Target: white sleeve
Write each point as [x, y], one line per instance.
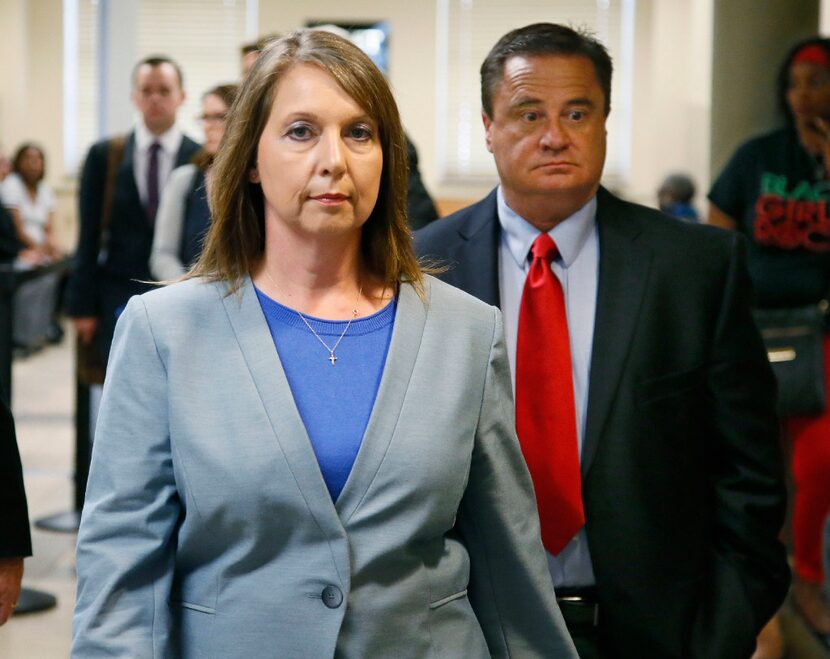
[164, 258]
[11, 191]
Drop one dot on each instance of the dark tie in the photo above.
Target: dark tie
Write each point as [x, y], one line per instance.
[545, 409]
[153, 182]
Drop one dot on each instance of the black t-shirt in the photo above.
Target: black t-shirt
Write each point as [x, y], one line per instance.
[776, 192]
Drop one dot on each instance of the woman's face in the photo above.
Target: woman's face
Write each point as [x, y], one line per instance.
[319, 158]
[214, 112]
[808, 93]
[31, 165]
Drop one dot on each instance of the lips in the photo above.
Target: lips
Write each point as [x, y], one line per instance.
[330, 198]
[559, 164]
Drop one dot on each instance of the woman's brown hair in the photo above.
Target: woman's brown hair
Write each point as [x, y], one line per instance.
[236, 240]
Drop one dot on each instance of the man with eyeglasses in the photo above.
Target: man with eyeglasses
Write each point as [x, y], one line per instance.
[119, 192]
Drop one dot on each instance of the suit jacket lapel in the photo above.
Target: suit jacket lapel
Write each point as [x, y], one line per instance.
[474, 260]
[623, 273]
[185, 154]
[257, 345]
[410, 318]
[127, 173]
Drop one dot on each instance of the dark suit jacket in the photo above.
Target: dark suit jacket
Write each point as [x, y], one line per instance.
[15, 539]
[105, 276]
[10, 244]
[420, 208]
[682, 473]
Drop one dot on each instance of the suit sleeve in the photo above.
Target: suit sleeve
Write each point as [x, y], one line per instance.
[126, 543]
[749, 574]
[510, 587]
[15, 539]
[82, 288]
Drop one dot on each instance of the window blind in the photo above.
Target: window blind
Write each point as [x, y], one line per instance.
[468, 29]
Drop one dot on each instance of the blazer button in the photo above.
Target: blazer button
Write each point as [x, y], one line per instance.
[332, 597]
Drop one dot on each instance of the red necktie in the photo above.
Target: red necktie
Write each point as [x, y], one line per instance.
[545, 409]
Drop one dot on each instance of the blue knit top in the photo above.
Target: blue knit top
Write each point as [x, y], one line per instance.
[334, 400]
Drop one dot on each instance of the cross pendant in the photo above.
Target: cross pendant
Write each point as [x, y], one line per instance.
[332, 358]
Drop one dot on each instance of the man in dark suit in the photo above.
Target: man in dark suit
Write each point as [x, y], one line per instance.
[119, 193]
[656, 463]
[15, 540]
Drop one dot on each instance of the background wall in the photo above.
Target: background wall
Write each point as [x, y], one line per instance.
[703, 80]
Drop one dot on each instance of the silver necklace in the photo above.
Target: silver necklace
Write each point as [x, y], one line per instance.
[332, 357]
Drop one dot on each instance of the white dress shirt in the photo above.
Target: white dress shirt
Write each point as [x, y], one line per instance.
[577, 268]
[170, 142]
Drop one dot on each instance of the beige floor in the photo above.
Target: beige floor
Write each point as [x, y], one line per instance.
[43, 405]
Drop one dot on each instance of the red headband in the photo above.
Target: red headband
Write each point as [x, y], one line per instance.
[812, 53]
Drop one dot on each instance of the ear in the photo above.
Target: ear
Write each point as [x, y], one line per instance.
[253, 175]
[487, 124]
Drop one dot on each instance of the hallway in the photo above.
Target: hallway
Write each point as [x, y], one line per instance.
[43, 407]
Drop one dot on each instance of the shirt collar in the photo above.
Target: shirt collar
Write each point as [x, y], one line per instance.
[569, 235]
[169, 140]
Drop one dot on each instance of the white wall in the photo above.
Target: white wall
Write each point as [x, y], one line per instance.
[672, 81]
[672, 121]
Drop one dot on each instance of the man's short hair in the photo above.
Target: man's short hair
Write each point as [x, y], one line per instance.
[250, 47]
[259, 45]
[158, 60]
[543, 39]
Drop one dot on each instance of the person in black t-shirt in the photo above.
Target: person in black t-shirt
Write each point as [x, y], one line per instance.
[776, 191]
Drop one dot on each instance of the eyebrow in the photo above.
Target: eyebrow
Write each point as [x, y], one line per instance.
[581, 102]
[530, 102]
[311, 116]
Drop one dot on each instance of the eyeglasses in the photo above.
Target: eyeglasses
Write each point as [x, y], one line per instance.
[211, 118]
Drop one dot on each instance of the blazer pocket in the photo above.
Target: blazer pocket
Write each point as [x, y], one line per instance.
[446, 600]
[671, 385]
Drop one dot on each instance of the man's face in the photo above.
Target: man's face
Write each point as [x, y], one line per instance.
[547, 135]
[248, 61]
[157, 94]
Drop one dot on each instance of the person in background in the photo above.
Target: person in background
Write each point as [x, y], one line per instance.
[15, 537]
[32, 208]
[120, 187]
[184, 216]
[249, 52]
[774, 191]
[306, 448]
[675, 197]
[10, 246]
[644, 399]
[30, 201]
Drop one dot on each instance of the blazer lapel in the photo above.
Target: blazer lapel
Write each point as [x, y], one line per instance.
[257, 345]
[410, 318]
[127, 174]
[185, 153]
[623, 274]
[474, 260]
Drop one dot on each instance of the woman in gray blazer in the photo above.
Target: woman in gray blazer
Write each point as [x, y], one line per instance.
[306, 448]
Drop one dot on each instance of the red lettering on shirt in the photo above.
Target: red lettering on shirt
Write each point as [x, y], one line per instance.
[792, 223]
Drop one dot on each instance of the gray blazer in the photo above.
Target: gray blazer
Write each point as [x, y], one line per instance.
[208, 530]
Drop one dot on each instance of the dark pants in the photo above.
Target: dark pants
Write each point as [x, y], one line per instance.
[580, 611]
[587, 643]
